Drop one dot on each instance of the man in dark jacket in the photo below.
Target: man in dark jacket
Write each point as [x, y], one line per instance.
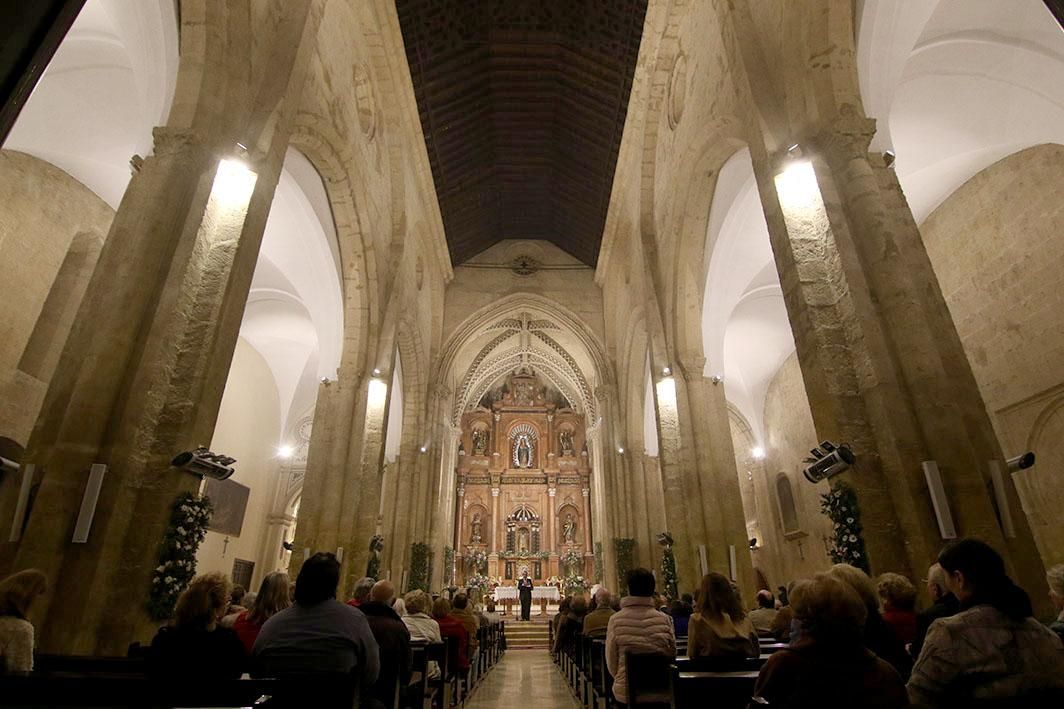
[943, 605]
[394, 641]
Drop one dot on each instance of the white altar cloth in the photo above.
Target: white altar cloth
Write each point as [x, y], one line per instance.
[539, 593]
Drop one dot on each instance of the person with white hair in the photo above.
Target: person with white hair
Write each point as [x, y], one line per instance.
[1055, 578]
[596, 621]
[943, 605]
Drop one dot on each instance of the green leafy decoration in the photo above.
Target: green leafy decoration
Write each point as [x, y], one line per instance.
[848, 545]
[598, 562]
[420, 566]
[624, 548]
[668, 573]
[189, 517]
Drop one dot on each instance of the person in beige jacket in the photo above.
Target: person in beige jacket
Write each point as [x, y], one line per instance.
[637, 627]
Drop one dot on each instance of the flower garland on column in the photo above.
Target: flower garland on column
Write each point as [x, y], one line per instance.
[847, 545]
[668, 567]
[420, 567]
[598, 563]
[624, 548]
[189, 518]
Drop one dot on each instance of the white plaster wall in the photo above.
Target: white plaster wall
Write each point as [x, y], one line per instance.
[247, 430]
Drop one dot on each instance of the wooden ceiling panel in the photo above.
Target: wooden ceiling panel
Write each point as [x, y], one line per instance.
[522, 104]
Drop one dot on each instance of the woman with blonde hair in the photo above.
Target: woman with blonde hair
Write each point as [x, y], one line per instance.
[195, 644]
[898, 596]
[17, 594]
[878, 636]
[720, 629]
[829, 667]
[271, 599]
[423, 628]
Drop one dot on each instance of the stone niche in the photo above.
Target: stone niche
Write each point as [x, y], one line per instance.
[523, 476]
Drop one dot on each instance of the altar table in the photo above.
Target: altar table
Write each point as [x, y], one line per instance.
[508, 597]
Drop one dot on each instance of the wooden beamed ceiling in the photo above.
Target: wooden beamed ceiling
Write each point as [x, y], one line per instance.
[522, 103]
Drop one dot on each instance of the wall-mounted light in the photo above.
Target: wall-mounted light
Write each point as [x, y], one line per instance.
[424, 449]
[758, 452]
[620, 449]
[326, 381]
[285, 451]
[376, 372]
[666, 371]
[794, 151]
[716, 379]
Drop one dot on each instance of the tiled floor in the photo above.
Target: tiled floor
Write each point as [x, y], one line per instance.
[524, 678]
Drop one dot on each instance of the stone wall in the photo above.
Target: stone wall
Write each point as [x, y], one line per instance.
[997, 248]
[247, 430]
[51, 230]
[785, 555]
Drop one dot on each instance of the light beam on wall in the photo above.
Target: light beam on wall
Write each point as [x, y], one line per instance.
[234, 183]
[798, 191]
[378, 393]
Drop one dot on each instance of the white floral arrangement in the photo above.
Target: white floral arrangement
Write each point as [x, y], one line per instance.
[189, 518]
[478, 582]
[571, 559]
[847, 545]
[477, 559]
[575, 583]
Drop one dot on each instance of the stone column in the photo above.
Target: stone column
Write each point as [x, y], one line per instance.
[549, 543]
[497, 537]
[882, 362]
[705, 411]
[587, 520]
[459, 521]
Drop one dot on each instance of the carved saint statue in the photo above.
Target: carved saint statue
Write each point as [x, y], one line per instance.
[523, 451]
[474, 536]
[565, 438]
[522, 540]
[480, 441]
[569, 529]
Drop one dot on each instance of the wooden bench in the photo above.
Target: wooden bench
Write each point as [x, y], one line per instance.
[57, 690]
[729, 690]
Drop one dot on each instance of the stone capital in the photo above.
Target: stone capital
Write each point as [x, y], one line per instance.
[846, 138]
[693, 366]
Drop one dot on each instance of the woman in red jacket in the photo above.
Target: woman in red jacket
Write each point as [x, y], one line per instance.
[451, 627]
[272, 598]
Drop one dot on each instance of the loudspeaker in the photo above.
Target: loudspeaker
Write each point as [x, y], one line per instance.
[88, 503]
[938, 498]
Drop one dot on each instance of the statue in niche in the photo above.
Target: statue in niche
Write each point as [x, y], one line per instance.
[569, 530]
[480, 441]
[474, 536]
[565, 439]
[522, 540]
[523, 451]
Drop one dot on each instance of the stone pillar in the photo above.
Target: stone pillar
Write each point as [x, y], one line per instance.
[705, 411]
[459, 521]
[882, 362]
[140, 379]
[496, 521]
[587, 519]
[549, 543]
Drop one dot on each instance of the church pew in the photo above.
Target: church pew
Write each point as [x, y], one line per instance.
[729, 690]
[648, 679]
[57, 690]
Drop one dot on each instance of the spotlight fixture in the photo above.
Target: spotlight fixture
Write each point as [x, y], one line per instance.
[376, 372]
[204, 463]
[828, 460]
[794, 151]
[716, 379]
[758, 452]
[424, 449]
[1020, 462]
[326, 381]
[666, 371]
[889, 156]
[285, 451]
[620, 450]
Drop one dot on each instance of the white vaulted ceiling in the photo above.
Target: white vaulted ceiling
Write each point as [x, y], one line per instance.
[955, 85]
[110, 84]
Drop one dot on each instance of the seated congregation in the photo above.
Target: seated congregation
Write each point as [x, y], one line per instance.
[838, 639]
[291, 644]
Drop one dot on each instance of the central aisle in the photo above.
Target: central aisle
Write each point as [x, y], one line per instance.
[525, 676]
